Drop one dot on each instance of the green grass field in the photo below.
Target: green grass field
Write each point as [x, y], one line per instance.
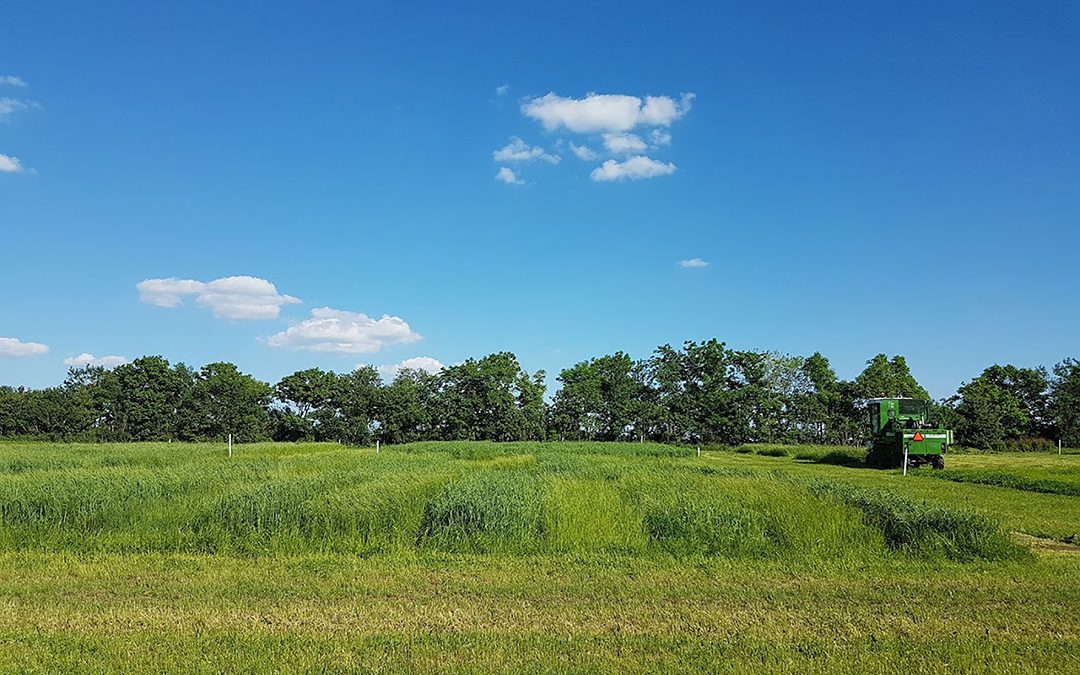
[533, 557]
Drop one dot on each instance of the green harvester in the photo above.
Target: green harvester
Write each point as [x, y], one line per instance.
[899, 425]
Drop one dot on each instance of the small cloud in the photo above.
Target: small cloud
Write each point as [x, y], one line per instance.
[634, 168]
[517, 150]
[502, 90]
[507, 175]
[237, 298]
[424, 363]
[12, 81]
[83, 360]
[337, 331]
[659, 137]
[623, 143]
[167, 292]
[693, 263]
[663, 110]
[583, 152]
[9, 105]
[597, 113]
[16, 348]
[10, 164]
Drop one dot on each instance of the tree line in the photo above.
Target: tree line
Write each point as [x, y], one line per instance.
[701, 392]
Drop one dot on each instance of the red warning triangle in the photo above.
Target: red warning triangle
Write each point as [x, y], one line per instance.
[918, 436]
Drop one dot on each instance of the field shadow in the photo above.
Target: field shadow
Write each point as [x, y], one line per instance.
[834, 458]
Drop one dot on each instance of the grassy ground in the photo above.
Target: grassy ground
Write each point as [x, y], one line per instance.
[1054, 516]
[527, 557]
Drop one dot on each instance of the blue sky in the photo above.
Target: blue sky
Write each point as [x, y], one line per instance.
[859, 177]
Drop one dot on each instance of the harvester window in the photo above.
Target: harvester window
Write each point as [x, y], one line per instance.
[908, 407]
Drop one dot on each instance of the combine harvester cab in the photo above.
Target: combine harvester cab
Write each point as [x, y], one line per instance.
[897, 424]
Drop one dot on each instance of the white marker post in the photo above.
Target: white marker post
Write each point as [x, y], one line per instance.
[376, 447]
[905, 459]
[230, 445]
[699, 451]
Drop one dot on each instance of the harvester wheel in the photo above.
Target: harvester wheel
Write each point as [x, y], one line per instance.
[938, 461]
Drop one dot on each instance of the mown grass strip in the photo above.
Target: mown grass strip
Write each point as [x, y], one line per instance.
[1005, 480]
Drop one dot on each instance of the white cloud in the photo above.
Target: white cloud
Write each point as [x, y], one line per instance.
[9, 105]
[634, 168]
[595, 112]
[517, 150]
[663, 110]
[605, 112]
[334, 330]
[237, 298]
[507, 175]
[583, 152]
[243, 298]
[85, 359]
[14, 347]
[502, 89]
[623, 143]
[12, 81]
[167, 292]
[659, 137]
[10, 164]
[693, 262]
[425, 363]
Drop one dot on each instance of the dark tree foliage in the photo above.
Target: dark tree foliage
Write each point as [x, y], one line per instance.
[222, 401]
[305, 412]
[1065, 402]
[1003, 404]
[490, 399]
[407, 408]
[888, 377]
[355, 402]
[598, 400]
[149, 393]
[699, 393]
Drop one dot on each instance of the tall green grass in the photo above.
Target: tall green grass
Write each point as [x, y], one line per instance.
[921, 530]
[747, 517]
[626, 499]
[487, 512]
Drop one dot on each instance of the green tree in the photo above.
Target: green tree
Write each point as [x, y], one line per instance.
[490, 399]
[888, 377]
[149, 393]
[39, 413]
[1065, 402]
[597, 399]
[1017, 397]
[988, 414]
[95, 393]
[224, 401]
[306, 411]
[1030, 387]
[818, 406]
[356, 399]
[692, 388]
[767, 389]
[407, 407]
[9, 411]
[530, 401]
